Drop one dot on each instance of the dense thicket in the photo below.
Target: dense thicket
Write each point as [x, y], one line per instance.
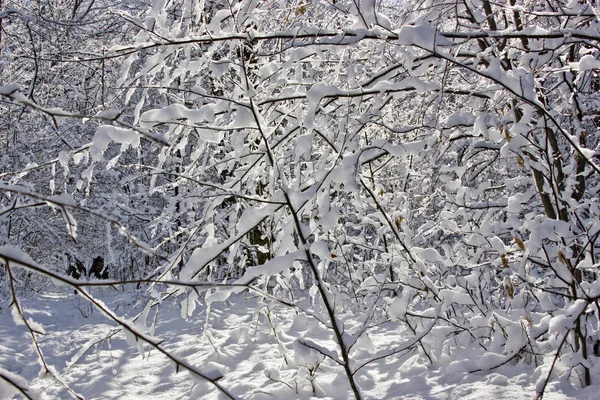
[431, 165]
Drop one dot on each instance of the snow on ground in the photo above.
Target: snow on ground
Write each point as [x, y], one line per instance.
[95, 359]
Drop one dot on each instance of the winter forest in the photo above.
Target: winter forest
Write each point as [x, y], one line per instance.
[280, 199]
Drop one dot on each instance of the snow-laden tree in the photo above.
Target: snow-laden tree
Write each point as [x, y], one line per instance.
[55, 52]
[426, 165]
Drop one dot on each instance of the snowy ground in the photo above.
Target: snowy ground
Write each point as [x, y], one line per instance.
[98, 363]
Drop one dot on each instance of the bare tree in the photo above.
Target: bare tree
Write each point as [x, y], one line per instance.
[434, 167]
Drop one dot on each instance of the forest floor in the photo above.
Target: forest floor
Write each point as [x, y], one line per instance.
[97, 361]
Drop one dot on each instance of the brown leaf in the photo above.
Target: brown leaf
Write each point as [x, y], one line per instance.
[398, 222]
[519, 243]
[562, 258]
[302, 9]
[509, 287]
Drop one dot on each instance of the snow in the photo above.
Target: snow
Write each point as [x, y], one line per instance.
[430, 255]
[9, 89]
[271, 267]
[587, 62]
[105, 134]
[15, 255]
[16, 383]
[211, 249]
[422, 35]
[108, 114]
[63, 159]
[418, 85]
[254, 356]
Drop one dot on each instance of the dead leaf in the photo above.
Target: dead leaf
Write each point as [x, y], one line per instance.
[398, 222]
[504, 260]
[562, 258]
[509, 287]
[519, 243]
